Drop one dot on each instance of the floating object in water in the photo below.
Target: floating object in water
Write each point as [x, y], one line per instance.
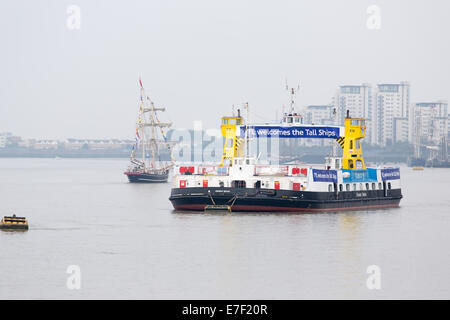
[217, 207]
[14, 223]
[417, 168]
[342, 184]
[149, 167]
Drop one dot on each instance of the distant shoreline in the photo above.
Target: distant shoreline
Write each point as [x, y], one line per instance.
[61, 154]
[308, 158]
[17, 153]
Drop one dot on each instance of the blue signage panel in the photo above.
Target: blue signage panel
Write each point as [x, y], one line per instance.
[291, 132]
[367, 175]
[324, 175]
[390, 174]
[372, 174]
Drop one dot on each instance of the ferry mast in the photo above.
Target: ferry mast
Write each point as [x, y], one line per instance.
[292, 95]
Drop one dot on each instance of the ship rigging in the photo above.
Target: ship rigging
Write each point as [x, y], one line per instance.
[150, 139]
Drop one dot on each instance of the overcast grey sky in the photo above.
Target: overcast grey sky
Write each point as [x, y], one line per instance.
[198, 58]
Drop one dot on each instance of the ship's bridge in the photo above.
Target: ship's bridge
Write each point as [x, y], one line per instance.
[292, 118]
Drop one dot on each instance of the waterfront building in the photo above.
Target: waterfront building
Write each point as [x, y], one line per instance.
[358, 100]
[392, 113]
[320, 114]
[429, 122]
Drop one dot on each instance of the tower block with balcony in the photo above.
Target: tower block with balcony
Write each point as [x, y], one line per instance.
[355, 129]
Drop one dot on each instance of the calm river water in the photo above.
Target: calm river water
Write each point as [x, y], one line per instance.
[130, 244]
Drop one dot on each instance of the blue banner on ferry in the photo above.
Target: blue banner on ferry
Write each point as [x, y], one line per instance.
[291, 132]
[324, 175]
[362, 175]
[390, 174]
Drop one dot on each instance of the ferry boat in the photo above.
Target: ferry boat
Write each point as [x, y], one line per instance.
[342, 183]
[149, 167]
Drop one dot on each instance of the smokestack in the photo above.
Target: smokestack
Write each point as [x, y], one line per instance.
[239, 112]
[348, 113]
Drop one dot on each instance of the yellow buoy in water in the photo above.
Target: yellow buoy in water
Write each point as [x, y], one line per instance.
[14, 223]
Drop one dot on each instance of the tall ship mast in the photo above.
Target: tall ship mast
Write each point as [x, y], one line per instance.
[146, 164]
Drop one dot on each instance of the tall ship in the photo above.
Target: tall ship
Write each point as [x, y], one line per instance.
[146, 164]
[241, 183]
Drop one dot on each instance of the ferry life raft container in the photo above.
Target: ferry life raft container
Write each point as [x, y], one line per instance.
[14, 223]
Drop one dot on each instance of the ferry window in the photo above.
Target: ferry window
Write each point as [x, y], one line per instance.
[289, 120]
[238, 121]
[359, 164]
[258, 184]
[247, 161]
[224, 121]
[350, 164]
[373, 185]
[297, 120]
[361, 186]
[389, 185]
[351, 144]
[354, 122]
[340, 187]
[238, 184]
[354, 187]
[231, 121]
[379, 186]
[347, 187]
[330, 187]
[367, 186]
[221, 184]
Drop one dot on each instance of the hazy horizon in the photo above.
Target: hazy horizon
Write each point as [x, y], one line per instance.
[198, 58]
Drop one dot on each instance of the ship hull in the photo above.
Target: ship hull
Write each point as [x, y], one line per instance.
[146, 177]
[267, 200]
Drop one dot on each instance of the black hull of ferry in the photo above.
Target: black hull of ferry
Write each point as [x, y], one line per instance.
[267, 200]
[147, 177]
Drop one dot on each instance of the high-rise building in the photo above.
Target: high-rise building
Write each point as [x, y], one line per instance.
[357, 99]
[319, 114]
[429, 122]
[448, 127]
[392, 113]
[4, 136]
